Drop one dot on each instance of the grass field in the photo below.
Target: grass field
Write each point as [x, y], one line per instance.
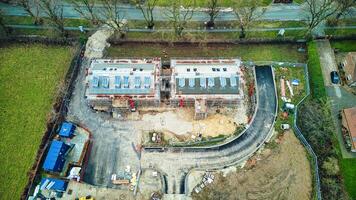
[289, 73]
[344, 45]
[29, 77]
[316, 80]
[260, 52]
[341, 32]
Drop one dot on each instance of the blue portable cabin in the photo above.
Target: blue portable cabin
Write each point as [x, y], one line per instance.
[55, 158]
[67, 129]
[53, 184]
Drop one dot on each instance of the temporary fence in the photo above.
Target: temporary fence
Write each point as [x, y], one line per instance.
[304, 141]
[297, 131]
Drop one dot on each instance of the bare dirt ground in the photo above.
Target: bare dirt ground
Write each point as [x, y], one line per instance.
[149, 183]
[98, 193]
[281, 172]
[181, 122]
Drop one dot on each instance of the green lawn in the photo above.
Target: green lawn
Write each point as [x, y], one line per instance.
[344, 45]
[29, 78]
[285, 52]
[289, 73]
[341, 32]
[348, 170]
[25, 20]
[316, 76]
[298, 1]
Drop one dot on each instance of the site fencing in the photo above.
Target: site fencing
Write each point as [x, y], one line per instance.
[297, 131]
[53, 125]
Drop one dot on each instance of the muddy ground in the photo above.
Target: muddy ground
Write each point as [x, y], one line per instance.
[279, 172]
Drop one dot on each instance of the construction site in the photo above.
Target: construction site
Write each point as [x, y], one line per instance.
[162, 130]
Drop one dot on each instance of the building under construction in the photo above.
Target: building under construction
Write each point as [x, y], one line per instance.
[123, 84]
[204, 83]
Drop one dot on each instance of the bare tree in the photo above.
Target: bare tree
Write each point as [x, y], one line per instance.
[213, 12]
[318, 11]
[246, 12]
[86, 9]
[179, 16]
[111, 16]
[344, 7]
[146, 7]
[32, 8]
[54, 11]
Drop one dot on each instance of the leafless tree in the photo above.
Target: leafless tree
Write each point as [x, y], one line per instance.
[86, 9]
[146, 7]
[318, 11]
[32, 8]
[54, 11]
[344, 7]
[179, 16]
[112, 17]
[213, 12]
[246, 12]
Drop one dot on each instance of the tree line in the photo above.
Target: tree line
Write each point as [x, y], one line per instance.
[108, 12]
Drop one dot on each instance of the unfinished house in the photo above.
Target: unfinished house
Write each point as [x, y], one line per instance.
[205, 83]
[349, 66]
[349, 125]
[123, 84]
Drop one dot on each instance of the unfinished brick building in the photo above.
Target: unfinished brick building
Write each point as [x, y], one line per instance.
[123, 84]
[204, 83]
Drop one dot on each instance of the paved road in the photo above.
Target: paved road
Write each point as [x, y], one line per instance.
[176, 163]
[273, 12]
[111, 149]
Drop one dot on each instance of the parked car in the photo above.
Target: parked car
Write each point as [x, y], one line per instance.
[335, 78]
